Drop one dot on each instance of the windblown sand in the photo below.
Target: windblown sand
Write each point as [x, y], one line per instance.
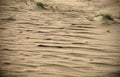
[66, 41]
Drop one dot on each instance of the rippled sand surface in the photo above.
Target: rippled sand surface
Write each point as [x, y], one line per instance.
[59, 43]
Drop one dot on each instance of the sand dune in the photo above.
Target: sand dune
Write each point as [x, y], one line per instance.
[71, 39]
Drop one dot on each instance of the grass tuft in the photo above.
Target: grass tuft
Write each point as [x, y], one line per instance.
[42, 5]
[107, 16]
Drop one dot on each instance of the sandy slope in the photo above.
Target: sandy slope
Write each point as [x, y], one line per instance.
[59, 43]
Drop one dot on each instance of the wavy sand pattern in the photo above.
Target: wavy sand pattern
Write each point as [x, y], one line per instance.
[59, 43]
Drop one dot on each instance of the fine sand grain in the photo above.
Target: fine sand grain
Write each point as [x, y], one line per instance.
[71, 38]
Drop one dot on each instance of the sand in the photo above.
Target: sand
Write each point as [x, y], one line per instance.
[67, 40]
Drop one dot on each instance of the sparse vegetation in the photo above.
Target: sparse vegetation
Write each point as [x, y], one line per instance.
[46, 6]
[107, 16]
[42, 5]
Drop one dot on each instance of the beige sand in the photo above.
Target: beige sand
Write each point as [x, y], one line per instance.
[68, 41]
